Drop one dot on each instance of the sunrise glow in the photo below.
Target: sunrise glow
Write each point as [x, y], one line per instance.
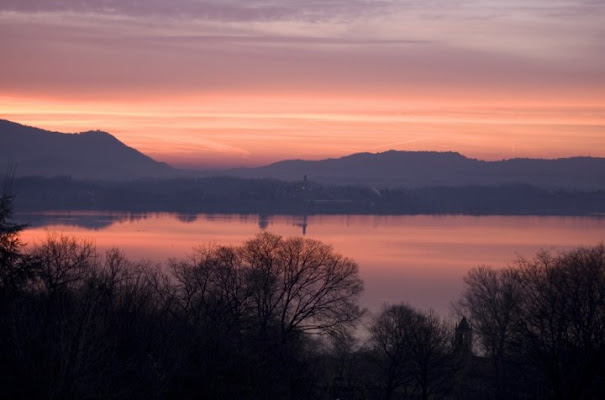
[211, 85]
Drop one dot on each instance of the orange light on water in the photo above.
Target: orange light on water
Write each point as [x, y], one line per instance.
[418, 259]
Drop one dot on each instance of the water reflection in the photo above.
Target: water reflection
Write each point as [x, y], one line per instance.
[418, 259]
[100, 220]
[78, 219]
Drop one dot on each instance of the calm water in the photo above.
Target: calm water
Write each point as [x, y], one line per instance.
[417, 259]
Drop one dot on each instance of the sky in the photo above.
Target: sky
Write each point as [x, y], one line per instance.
[224, 83]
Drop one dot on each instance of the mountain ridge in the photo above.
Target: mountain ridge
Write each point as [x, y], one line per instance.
[91, 154]
[394, 168]
[98, 155]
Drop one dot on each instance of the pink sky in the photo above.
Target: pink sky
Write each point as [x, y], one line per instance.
[209, 83]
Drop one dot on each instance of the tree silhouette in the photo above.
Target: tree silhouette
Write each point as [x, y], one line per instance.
[414, 351]
[492, 300]
[562, 321]
[13, 269]
[301, 284]
[542, 323]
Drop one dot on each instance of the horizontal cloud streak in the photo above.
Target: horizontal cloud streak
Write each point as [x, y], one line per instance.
[243, 10]
[127, 57]
[272, 10]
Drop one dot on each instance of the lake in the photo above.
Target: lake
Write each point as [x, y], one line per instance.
[420, 260]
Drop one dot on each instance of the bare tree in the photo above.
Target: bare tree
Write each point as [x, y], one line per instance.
[492, 301]
[64, 261]
[563, 319]
[430, 354]
[542, 322]
[413, 349]
[258, 302]
[301, 285]
[290, 285]
[211, 286]
[389, 339]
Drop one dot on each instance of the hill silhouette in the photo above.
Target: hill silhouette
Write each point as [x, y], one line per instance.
[427, 168]
[86, 155]
[97, 155]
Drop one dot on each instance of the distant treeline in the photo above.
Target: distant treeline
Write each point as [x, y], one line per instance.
[275, 317]
[264, 196]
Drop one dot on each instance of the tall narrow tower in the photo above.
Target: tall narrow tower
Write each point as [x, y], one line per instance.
[463, 341]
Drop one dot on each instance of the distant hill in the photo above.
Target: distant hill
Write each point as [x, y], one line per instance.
[99, 155]
[86, 155]
[425, 168]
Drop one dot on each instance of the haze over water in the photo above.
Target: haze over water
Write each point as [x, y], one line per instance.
[416, 259]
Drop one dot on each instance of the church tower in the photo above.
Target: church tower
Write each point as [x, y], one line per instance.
[463, 341]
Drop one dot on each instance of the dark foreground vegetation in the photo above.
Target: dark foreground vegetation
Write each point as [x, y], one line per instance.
[267, 196]
[274, 319]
